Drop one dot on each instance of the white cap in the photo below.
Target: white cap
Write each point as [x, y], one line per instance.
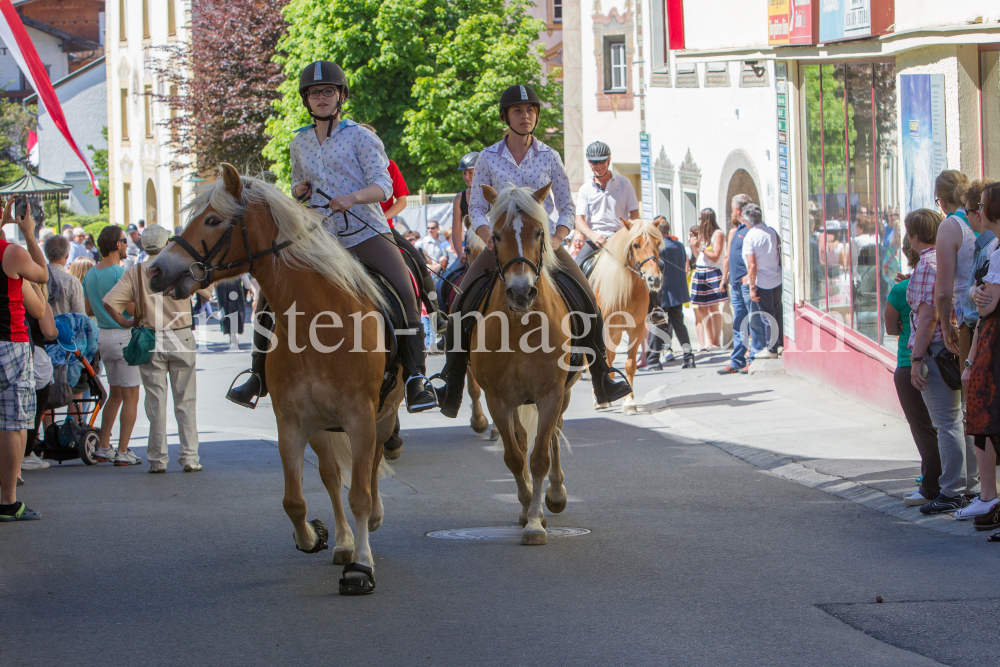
[154, 239]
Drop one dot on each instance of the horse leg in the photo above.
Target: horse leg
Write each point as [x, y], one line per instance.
[634, 337]
[514, 455]
[309, 536]
[479, 421]
[548, 415]
[329, 472]
[361, 431]
[555, 495]
[378, 512]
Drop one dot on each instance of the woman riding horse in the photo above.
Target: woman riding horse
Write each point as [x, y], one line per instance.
[342, 166]
[524, 161]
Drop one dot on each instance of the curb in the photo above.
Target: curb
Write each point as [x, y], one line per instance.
[779, 466]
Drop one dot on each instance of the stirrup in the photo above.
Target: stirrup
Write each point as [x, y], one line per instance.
[245, 404]
[611, 398]
[657, 316]
[420, 407]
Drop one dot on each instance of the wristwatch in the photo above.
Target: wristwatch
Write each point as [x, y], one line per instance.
[968, 363]
[916, 358]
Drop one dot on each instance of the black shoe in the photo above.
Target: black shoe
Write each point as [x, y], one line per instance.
[248, 393]
[606, 388]
[651, 367]
[688, 360]
[988, 521]
[419, 394]
[943, 504]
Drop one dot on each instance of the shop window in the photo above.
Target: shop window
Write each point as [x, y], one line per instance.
[851, 167]
[615, 70]
[989, 63]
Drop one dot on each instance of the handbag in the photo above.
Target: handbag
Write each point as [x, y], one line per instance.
[947, 362]
[60, 393]
[140, 346]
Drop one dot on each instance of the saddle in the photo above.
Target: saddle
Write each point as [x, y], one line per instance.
[394, 317]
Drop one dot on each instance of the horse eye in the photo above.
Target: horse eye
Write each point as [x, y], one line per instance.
[636, 245]
[496, 237]
[213, 221]
[538, 233]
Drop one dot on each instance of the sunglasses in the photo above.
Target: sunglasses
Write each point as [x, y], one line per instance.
[597, 162]
[325, 92]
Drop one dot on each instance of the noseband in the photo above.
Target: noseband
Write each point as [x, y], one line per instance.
[201, 264]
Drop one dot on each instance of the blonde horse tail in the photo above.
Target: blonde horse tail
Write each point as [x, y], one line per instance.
[340, 444]
[528, 416]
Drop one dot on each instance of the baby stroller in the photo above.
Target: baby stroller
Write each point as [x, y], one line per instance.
[66, 438]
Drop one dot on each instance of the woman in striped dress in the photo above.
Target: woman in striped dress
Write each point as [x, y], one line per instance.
[708, 292]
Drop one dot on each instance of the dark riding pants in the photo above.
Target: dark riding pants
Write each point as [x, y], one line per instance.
[382, 253]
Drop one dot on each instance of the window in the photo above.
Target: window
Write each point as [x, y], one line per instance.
[171, 18]
[127, 203]
[989, 64]
[145, 19]
[122, 21]
[173, 113]
[147, 96]
[177, 206]
[615, 64]
[658, 31]
[557, 7]
[690, 202]
[852, 168]
[687, 75]
[754, 74]
[124, 114]
[663, 206]
[717, 75]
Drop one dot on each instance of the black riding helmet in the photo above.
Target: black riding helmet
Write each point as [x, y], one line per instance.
[468, 161]
[323, 73]
[516, 95]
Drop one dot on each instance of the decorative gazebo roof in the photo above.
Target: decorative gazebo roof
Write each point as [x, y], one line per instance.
[29, 184]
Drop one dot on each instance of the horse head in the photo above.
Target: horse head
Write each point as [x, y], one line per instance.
[218, 241]
[644, 241]
[521, 241]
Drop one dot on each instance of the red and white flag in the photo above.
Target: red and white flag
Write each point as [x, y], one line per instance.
[15, 38]
[32, 149]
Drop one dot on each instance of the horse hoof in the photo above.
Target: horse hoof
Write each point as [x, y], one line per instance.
[533, 536]
[480, 425]
[556, 504]
[322, 535]
[374, 523]
[494, 434]
[392, 454]
[342, 555]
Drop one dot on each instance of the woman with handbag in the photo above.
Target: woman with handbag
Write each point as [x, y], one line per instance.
[934, 370]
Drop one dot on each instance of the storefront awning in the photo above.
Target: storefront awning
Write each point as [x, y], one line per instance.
[30, 184]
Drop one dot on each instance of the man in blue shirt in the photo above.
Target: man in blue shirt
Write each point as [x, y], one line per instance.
[739, 295]
[672, 297]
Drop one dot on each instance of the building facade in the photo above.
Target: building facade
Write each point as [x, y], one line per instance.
[142, 184]
[834, 115]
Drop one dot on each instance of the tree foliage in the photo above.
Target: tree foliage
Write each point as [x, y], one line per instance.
[224, 83]
[15, 123]
[394, 52]
[99, 163]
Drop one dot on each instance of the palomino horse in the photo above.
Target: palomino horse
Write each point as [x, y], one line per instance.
[520, 353]
[474, 246]
[324, 370]
[624, 274]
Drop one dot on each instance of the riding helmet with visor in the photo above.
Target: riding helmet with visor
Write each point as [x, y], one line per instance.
[468, 161]
[519, 94]
[323, 73]
[598, 152]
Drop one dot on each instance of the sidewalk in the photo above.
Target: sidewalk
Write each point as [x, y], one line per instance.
[796, 430]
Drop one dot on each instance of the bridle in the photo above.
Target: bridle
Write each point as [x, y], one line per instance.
[201, 264]
[637, 268]
[521, 259]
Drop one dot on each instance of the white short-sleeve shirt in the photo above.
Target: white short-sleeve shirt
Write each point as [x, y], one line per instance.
[604, 208]
[762, 242]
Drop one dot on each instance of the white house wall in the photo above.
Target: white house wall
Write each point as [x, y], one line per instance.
[914, 14]
[725, 24]
[49, 50]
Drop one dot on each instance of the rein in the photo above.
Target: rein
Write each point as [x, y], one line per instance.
[202, 266]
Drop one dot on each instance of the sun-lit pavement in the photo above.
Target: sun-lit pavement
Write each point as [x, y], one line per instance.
[694, 557]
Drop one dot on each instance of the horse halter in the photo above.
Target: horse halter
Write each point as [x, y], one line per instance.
[202, 260]
[521, 259]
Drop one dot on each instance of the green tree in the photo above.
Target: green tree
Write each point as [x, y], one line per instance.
[457, 98]
[385, 46]
[15, 123]
[99, 163]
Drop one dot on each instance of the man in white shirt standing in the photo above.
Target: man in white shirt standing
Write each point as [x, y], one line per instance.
[761, 253]
[602, 202]
[434, 245]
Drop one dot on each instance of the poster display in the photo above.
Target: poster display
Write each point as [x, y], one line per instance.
[790, 22]
[844, 19]
[921, 101]
[647, 176]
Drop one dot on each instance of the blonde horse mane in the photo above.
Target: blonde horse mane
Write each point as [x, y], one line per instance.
[312, 248]
[512, 202]
[611, 276]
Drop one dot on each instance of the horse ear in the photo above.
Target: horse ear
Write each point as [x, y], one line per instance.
[489, 194]
[542, 192]
[231, 177]
[627, 223]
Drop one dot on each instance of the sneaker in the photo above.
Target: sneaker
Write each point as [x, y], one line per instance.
[976, 508]
[32, 462]
[915, 499]
[668, 357]
[765, 354]
[127, 458]
[651, 367]
[192, 467]
[728, 369]
[745, 370]
[943, 504]
[990, 520]
[106, 454]
[156, 468]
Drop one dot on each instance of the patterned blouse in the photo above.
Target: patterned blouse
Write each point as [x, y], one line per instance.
[541, 165]
[921, 290]
[350, 159]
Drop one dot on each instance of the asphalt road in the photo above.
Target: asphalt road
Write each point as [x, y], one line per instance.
[694, 558]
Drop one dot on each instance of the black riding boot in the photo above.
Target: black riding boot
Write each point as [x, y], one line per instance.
[606, 388]
[255, 388]
[418, 392]
[456, 362]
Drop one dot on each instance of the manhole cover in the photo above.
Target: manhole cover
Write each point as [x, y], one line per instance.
[501, 533]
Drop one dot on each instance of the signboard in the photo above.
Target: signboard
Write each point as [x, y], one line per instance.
[787, 282]
[844, 19]
[924, 145]
[790, 22]
[647, 176]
